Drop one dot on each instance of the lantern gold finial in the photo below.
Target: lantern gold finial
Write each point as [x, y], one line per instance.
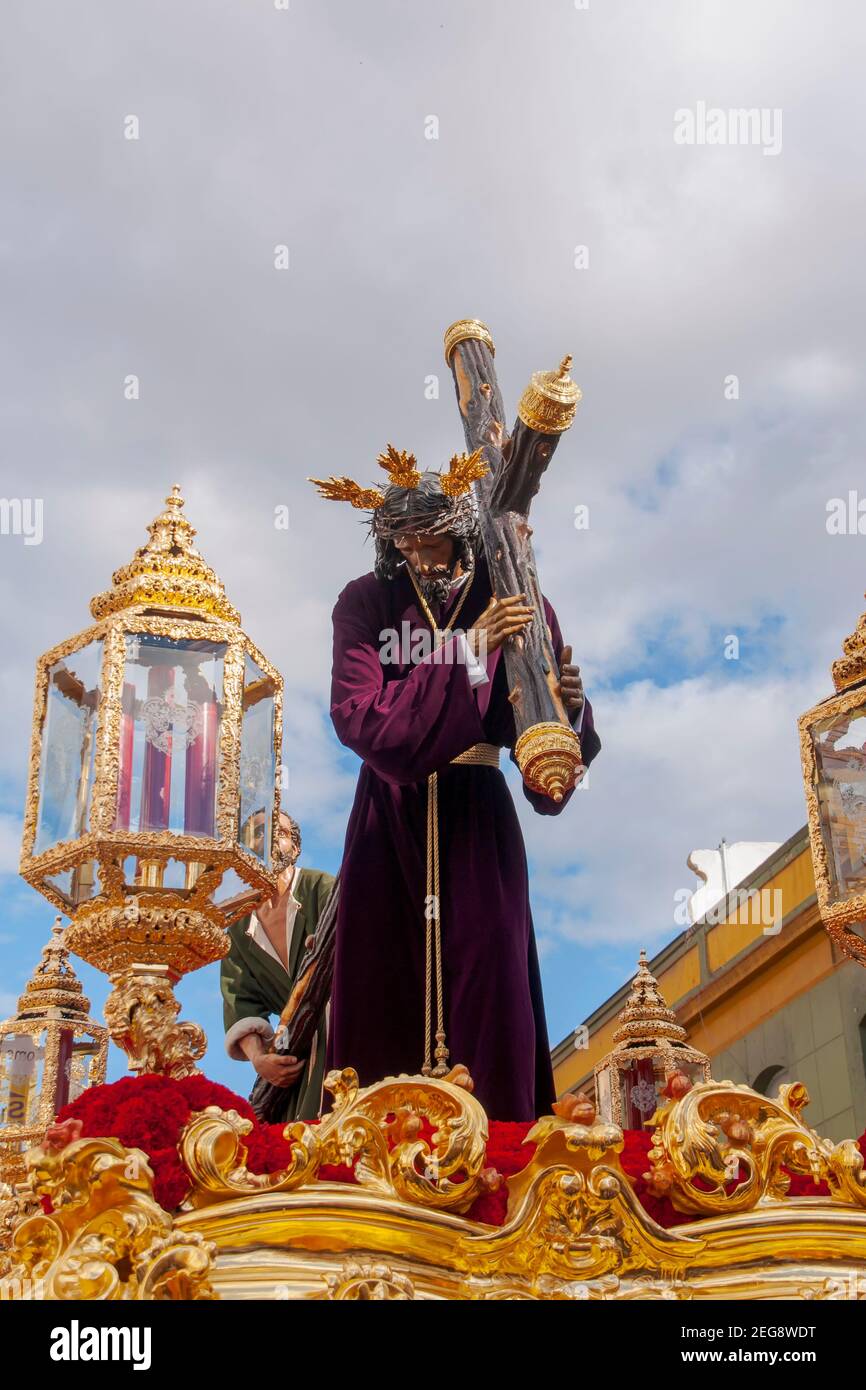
[54, 984]
[646, 1018]
[550, 401]
[850, 669]
[167, 572]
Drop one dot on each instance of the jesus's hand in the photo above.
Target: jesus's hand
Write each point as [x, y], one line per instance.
[570, 684]
[502, 618]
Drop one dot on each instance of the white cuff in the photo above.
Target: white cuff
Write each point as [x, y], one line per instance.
[457, 652]
[241, 1029]
[475, 669]
[579, 725]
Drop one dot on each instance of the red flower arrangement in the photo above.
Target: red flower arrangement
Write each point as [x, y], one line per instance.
[635, 1162]
[150, 1113]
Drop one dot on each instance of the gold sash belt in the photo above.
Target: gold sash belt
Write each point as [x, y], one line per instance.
[480, 754]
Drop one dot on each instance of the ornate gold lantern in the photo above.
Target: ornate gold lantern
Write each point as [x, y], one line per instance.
[50, 1051]
[649, 1048]
[833, 754]
[153, 796]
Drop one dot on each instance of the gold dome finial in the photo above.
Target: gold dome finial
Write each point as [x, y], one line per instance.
[167, 572]
[646, 1019]
[550, 401]
[53, 984]
[849, 670]
[650, 1049]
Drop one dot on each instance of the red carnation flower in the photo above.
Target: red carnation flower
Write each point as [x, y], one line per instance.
[146, 1123]
[506, 1150]
[267, 1150]
[171, 1182]
[200, 1093]
[490, 1207]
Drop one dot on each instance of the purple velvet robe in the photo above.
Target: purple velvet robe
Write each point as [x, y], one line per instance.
[407, 721]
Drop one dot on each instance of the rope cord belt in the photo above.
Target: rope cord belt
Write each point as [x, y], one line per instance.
[432, 919]
[480, 755]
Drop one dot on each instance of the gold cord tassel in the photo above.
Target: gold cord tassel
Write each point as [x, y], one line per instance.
[433, 941]
[432, 919]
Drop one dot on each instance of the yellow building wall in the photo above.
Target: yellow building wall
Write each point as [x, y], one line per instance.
[796, 883]
[681, 977]
[580, 1062]
[766, 992]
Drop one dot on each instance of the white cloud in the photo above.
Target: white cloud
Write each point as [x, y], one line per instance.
[817, 377]
[681, 768]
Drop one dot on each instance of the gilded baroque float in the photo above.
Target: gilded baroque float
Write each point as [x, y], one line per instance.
[405, 1189]
[85, 1223]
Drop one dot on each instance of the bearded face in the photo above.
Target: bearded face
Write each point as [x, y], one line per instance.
[428, 531]
[436, 590]
[432, 559]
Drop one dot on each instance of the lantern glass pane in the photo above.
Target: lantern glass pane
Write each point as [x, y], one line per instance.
[603, 1095]
[21, 1061]
[68, 754]
[258, 762]
[168, 755]
[231, 887]
[840, 758]
[234, 897]
[77, 885]
[640, 1090]
[83, 1064]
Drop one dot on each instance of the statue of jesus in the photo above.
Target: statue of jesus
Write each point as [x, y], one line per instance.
[434, 935]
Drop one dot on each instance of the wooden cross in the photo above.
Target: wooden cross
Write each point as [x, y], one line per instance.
[547, 749]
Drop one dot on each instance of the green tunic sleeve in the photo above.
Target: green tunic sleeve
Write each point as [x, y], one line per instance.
[246, 1007]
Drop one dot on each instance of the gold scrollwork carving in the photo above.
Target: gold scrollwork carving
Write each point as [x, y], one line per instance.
[141, 1013]
[445, 1174]
[146, 930]
[367, 1282]
[105, 1237]
[742, 1147]
[574, 1226]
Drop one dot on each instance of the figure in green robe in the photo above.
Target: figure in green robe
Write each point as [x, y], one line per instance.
[259, 972]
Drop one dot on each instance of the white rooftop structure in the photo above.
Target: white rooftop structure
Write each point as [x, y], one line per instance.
[722, 869]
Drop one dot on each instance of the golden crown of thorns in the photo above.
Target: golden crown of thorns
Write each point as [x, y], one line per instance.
[402, 472]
